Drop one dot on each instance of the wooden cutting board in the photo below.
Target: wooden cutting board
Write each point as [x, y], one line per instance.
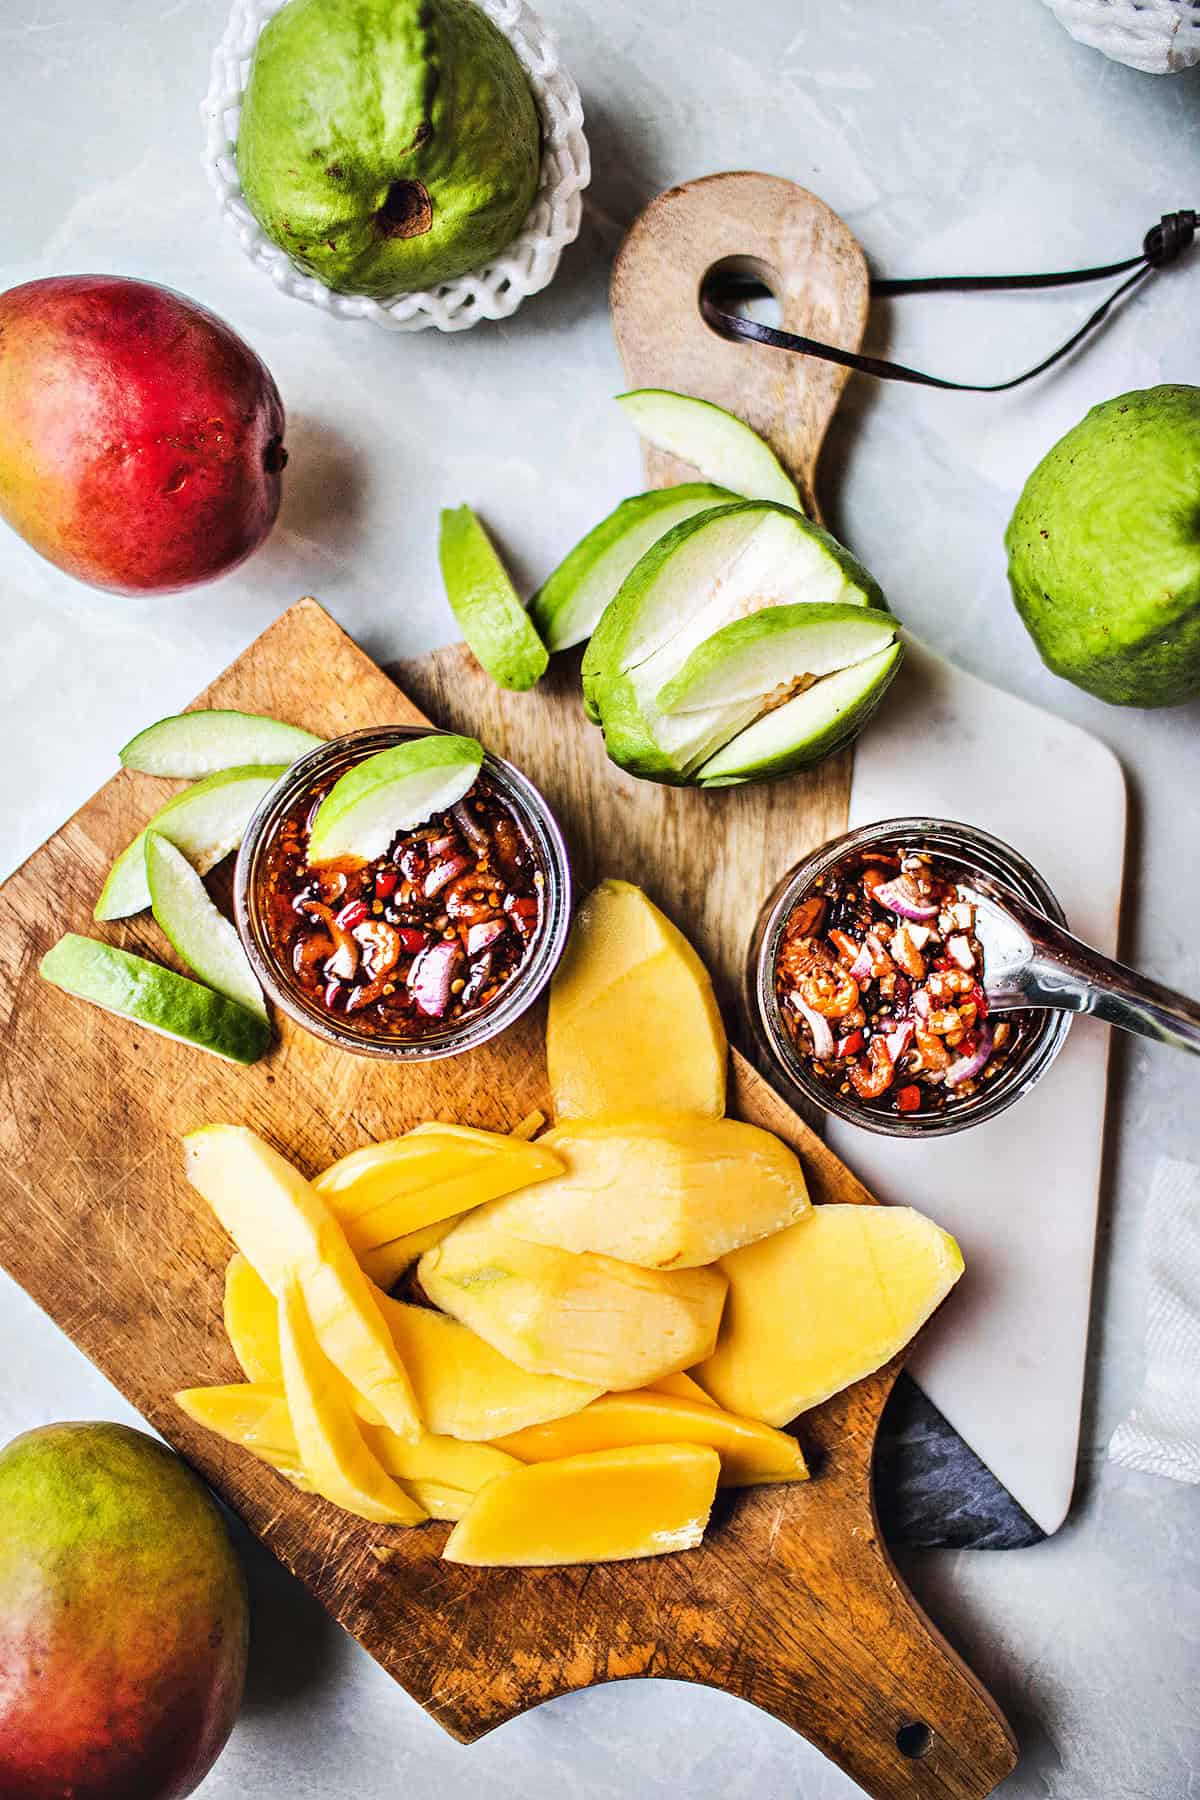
[792, 1601]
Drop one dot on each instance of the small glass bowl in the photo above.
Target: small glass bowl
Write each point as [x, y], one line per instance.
[984, 854]
[543, 833]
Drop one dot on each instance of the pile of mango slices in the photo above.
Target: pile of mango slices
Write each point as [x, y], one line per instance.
[602, 1325]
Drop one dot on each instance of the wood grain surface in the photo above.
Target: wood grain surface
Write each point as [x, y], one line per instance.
[792, 1601]
[813, 265]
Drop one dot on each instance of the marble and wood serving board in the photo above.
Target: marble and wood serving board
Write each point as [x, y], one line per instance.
[792, 1601]
[1005, 1367]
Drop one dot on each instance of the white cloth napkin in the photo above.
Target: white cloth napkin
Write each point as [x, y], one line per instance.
[1157, 36]
[1162, 1433]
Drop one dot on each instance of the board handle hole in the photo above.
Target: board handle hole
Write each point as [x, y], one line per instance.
[742, 285]
[914, 1739]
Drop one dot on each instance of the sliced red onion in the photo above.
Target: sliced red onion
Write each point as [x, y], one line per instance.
[898, 1041]
[430, 977]
[860, 968]
[343, 964]
[822, 1036]
[477, 980]
[959, 950]
[443, 873]
[922, 1002]
[897, 900]
[440, 845]
[967, 1067]
[480, 936]
[469, 825]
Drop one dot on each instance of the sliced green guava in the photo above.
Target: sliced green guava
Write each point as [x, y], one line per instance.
[721, 566]
[392, 791]
[200, 934]
[192, 744]
[765, 655]
[713, 441]
[569, 602]
[157, 998]
[806, 729]
[487, 605]
[206, 822]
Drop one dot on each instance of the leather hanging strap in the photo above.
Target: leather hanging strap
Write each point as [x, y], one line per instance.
[1163, 244]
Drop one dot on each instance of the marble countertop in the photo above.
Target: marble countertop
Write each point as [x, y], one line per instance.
[950, 137]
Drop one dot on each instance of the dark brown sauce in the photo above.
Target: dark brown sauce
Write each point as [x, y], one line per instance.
[424, 937]
[901, 997]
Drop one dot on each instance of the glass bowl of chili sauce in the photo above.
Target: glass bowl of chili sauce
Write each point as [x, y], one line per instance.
[427, 951]
[865, 983]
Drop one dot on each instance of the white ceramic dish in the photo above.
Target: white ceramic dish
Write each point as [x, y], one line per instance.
[496, 288]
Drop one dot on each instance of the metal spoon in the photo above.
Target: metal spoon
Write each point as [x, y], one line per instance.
[1030, 961]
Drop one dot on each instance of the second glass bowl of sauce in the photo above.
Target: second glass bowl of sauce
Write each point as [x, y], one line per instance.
[866, 981]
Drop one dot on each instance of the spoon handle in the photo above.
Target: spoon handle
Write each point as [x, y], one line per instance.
[1069, 976]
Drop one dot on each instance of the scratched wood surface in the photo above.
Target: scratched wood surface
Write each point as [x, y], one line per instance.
[792, 1601]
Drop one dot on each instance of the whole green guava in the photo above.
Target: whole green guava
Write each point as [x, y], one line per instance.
[1104, 550]
[387, 145]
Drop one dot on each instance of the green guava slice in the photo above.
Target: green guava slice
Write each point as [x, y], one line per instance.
[135, 988]
[486, 604]
[201, 935]
[569, 602]
[1104, 550]
[712, 440]
[806, 729]
[722, 565]
[206, 822]
[761, 657]
[192, 744]
[392, 791]
[387, 145]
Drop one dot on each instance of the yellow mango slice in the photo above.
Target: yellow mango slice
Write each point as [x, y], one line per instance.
[586, 1317]
[388, 1262]
[251, 1414]
[252, 1324]
[823, 1304]
[333, 1452]
[389, 1190]
[465, 1389]
[647, 1500]
[751, 1453]
[666, 1191]
[529, 1126]
[633, 1023]
[680, 1387]
[440, 1473]
[252, 1321]
[282, 1226]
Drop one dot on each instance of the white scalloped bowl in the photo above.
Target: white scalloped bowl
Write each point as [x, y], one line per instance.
[496, 288]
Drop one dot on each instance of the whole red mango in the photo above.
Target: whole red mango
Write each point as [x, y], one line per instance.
[123, 1619]
[141, 441]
